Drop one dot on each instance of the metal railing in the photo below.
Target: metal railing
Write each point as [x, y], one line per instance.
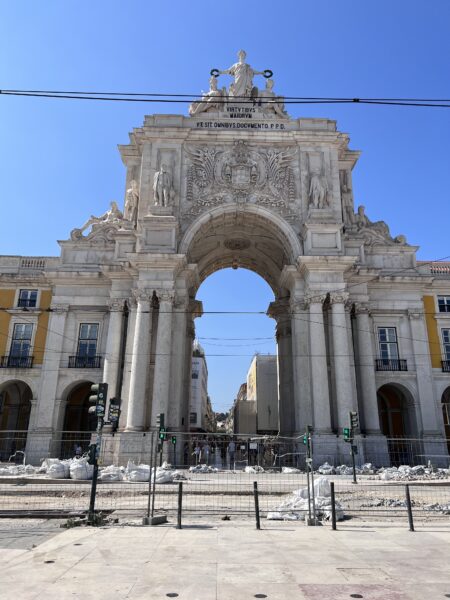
[16, 362]
[446, 366]
[391, 364]
[84, 362]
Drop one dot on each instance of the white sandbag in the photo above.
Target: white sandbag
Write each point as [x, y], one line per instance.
[322, 487]
[59, 469]
[111, 473]
[80, 469]
[367, 469]
[326, 469]
[255, 469]
[289, 470]
[137, 472]
[203, 469]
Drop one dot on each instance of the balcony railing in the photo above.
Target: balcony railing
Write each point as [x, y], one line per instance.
[26, 303]
[391, 364]
[84, 362]
[16, 362]
[445, 366]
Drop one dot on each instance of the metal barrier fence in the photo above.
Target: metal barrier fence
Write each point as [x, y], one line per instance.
[225, 451]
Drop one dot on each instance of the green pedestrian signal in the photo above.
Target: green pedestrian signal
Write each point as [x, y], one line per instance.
[305, 439]
[173, 439]
[347, 434]
[162, 433]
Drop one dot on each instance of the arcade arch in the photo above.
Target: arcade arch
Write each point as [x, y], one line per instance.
[445, 403]
[15, 409]
[78, 423]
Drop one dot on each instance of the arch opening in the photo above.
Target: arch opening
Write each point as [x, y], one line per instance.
[397, 422]
[15, 409]
[445, 403]
[78, 422]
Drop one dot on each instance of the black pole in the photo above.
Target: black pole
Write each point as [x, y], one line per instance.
[333, 507]
[150, 477]
[180, 503]
[352, 451]
[93, 491]
[155, 455]
[255, 494]
[409, 508]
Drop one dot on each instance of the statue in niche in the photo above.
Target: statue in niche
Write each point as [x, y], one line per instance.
[113, 216]
[270, 101]
[243, 77]
[318, 191]
[162, 186]
[348, 211]
[214, 99]
[131, 202]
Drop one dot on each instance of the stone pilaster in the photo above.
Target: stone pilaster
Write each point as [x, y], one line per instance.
[345, 400]
[366, 370]
[178, 364]
[112, 355]
[163, 358]
[301, 364]
[139, 362]
[319, 370]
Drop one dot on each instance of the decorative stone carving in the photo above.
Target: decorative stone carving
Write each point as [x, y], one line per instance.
[314, 298]
[109, 222]
[348, 211]
[165, 295]
[116, 304]
[361, 308]
[141, 295]
[242, 86]
[375, 232]
[339, 297]
[239, 174]
[162, 186]
[271, 102]
[212, 100]
[131, 203]
[59, 308]
[237, 244]
[318, 191]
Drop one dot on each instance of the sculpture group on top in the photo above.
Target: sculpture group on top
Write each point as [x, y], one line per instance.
[241, 91]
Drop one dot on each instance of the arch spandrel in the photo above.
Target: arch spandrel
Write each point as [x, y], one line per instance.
[249, 237]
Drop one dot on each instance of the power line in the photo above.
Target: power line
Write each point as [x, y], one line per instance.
[189, 98]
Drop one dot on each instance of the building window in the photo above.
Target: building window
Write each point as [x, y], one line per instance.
[87, 340]
[193, 418]
[444, 303]
[387, 340]
[21, 341]
[194, 375]
[27, 298]
[446, 343]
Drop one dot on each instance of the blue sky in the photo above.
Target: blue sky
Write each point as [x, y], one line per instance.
[59, 158]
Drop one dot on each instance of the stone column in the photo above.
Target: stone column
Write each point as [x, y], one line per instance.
[319, 368]
[163, 356]
[345, 400]
[366, 370]
[178, 365]
[301, 365]
[139, 362]
[112, 355]
[431, 424]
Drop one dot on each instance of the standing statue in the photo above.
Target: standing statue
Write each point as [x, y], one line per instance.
[318, 191]
[213, 99]
[243, 77]
[270, 101]
[348, 211]
[162, 186]
[131, 202]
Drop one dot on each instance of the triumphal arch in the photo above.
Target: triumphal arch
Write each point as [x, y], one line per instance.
[240, 183]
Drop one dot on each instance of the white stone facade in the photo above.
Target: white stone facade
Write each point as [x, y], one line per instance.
[240, 183]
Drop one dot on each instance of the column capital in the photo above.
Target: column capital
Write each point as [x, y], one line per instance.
[142, 295]
[298, 305]
[314, 298]
[59, 308]
[361, 308]
[165, 295]
[339, 297]
[278, 309]
[116, 304]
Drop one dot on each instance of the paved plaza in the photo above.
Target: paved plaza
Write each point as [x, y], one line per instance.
[220, 560]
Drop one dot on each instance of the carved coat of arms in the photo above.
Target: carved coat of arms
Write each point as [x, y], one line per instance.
[239, 174]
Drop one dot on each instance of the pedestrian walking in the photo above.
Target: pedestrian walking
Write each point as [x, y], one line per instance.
[231, 453]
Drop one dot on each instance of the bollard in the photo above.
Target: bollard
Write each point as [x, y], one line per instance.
[409, 508]
[255, 494]
[180, 503]
[333, 507]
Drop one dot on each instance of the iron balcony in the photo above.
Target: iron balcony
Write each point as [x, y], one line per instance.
[16, 362]
[391, 364]
[84, 362]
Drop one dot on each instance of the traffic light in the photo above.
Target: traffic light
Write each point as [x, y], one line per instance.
[347, 434]
[99, 391]
[173, 439]
[160, 421]
[162, 433]
[305, 438]
[354, 421]
[114, 410]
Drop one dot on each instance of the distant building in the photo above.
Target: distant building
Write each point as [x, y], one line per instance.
[244, 413]
[201, 416]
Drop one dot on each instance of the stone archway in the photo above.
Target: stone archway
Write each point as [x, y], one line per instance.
[445, 403]
[256, 239]
[397, 422]
[78, 423]
[15, 409]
